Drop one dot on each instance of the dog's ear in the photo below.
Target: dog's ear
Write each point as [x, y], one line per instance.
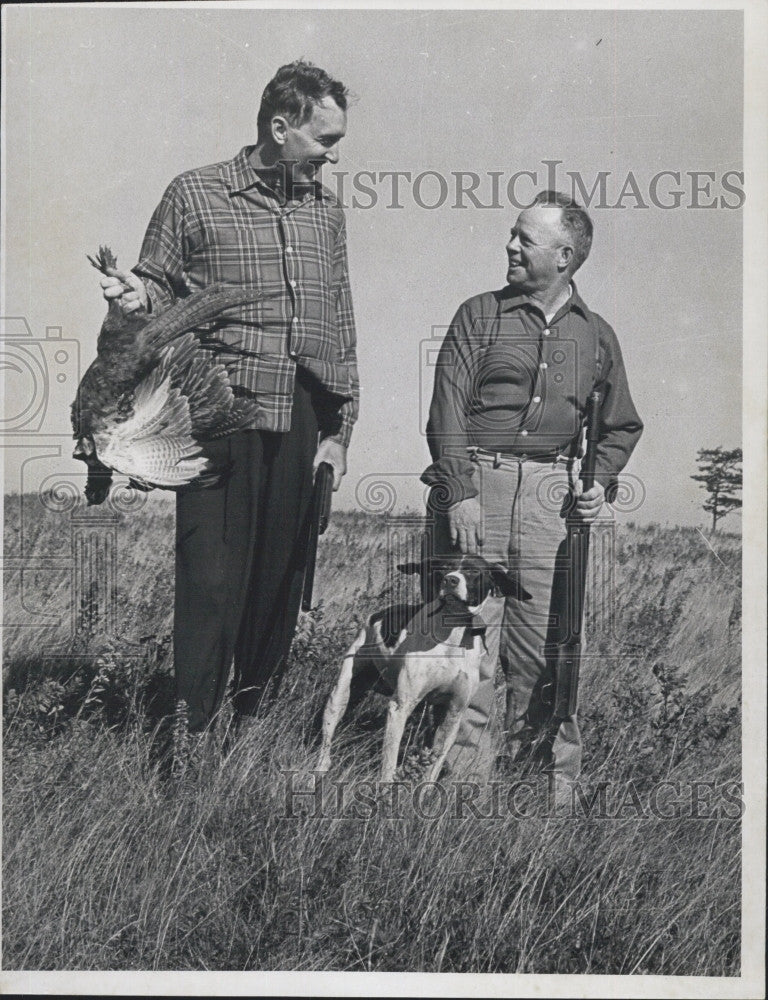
[410, 568]
[507, 583]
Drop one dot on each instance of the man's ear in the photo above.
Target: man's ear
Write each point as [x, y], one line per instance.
[278, 128]
[564, 257]
[507, 583]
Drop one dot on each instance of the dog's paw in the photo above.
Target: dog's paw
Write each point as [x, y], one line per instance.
[416, 764]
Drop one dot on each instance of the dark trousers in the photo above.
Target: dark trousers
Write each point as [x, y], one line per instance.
[240, 556]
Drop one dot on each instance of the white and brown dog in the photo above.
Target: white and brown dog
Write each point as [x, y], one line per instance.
[411, 651]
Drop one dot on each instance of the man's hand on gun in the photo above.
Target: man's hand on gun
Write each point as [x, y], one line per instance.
[589, 503]
[335, 455]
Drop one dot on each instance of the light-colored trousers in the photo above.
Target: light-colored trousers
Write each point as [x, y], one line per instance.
[524, 505]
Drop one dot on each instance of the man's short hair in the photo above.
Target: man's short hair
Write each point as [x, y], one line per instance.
[574, 220]
[294, 91]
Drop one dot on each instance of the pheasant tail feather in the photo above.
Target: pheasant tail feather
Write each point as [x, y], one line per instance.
[201, 307]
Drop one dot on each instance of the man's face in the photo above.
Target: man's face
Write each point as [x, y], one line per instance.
[537, 250]
[307, 147]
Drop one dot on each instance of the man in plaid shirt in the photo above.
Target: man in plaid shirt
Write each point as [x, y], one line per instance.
[263, 220]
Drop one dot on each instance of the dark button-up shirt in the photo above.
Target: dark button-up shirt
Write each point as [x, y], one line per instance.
[230, 223]
[508, 381]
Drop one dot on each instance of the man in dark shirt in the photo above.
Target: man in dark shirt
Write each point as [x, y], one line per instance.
[262, 220]
[511, 384]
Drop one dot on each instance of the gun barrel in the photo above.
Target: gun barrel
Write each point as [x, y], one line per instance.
[593, 435]
[325, 495]
[568, 655]
[319, 516]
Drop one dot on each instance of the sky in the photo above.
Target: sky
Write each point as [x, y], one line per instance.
[104, 106]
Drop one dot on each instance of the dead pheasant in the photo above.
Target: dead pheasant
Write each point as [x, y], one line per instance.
[152, 396]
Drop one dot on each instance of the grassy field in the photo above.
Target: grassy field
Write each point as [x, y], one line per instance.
[113, 861]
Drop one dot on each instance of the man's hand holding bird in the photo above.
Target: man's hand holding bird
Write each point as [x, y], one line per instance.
[123, 290]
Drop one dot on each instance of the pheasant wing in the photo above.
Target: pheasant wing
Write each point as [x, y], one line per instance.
[214, 410]
[155, 445]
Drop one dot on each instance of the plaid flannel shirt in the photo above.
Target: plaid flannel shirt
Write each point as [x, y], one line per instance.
[229, 223]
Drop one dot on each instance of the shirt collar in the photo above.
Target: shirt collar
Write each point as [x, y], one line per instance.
[245, 171]
[509, 300]
[576, 301]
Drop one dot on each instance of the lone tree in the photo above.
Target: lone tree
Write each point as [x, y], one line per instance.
[720, 475]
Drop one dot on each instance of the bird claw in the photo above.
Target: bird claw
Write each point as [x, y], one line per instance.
[105, 259]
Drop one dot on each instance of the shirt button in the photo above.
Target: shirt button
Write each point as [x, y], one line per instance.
[289, 249]
[536, 399]
[292, 284]
[543, 365]
[546, 332]
[523, 433]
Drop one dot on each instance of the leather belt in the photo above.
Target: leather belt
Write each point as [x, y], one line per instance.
[549, 457]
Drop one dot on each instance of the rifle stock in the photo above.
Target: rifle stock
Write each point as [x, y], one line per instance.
[568, 657]
[319, 515]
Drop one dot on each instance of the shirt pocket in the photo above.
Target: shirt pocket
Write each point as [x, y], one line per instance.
[506, 375]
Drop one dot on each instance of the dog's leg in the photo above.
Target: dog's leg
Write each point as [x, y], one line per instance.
[398, 713]
[448, 729]
[336, 705]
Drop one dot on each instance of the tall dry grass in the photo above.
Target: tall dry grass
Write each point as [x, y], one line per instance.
[112, 863]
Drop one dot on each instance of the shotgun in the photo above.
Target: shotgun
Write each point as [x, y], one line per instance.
[569, 650]
[319, 515]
